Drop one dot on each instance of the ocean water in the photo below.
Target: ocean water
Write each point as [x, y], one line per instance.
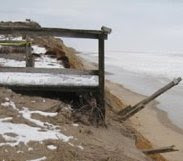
[145, 73]
[144, 51]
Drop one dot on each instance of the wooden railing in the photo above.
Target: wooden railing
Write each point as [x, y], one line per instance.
[100, 35]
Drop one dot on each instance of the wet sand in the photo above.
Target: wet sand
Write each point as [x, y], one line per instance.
[152, 123]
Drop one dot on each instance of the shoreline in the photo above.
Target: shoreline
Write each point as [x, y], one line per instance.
[167, 122]
[142, 122]
[154, 124]
[161, 114]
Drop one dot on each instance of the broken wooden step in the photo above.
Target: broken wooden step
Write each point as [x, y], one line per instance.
[129, 111]
[160, 150]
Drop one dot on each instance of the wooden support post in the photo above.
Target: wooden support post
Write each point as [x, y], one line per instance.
[160, 150]
[29, 56]
[101, 74]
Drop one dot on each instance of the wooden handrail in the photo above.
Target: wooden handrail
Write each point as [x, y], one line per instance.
[43, 31]
[13, 43]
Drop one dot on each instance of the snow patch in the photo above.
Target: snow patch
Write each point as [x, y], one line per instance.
[51, 114]
[18, 38]
[30, 149]
[5, 119]
[80, 147]
[27, 115]
[38, 159]
[44, 61]
[20, 152]
[75, 125]
[7, 99]
[38, 50]
[9, 104]
[52, 147]
[12, 63]
[42, 79]
[25, 133]
[71, 144]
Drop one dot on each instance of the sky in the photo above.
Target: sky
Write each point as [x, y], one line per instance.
[137, 25]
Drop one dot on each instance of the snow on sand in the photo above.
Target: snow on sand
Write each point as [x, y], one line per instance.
[24, 133]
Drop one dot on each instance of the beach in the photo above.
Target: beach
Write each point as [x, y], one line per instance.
[152, 123]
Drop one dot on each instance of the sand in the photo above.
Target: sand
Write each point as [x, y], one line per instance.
[44, 124]
[152, 123]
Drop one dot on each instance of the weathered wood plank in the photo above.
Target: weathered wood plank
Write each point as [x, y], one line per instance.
[52, 88]
[12, 43]
[49, 70]
[76, 33]
[160, 91]
[49, 81]
[129, 111]
[29, 56]
[160, 150]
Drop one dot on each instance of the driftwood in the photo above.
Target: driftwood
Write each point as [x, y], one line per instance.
[160, 150]
[129, 111]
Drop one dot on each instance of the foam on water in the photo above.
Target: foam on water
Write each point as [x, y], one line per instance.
[155, 64]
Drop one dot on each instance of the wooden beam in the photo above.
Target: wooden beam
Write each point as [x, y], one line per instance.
[129, 111]
[160, 150]
[48, 81]
[12, 43]
[160, 91]
[52, 88]
[60, 32]
[48, 70]
[101, 73]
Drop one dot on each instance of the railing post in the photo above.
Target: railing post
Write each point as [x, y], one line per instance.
[29, 56]
[101, 73]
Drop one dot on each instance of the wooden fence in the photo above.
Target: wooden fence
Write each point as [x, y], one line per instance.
[100, 35]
